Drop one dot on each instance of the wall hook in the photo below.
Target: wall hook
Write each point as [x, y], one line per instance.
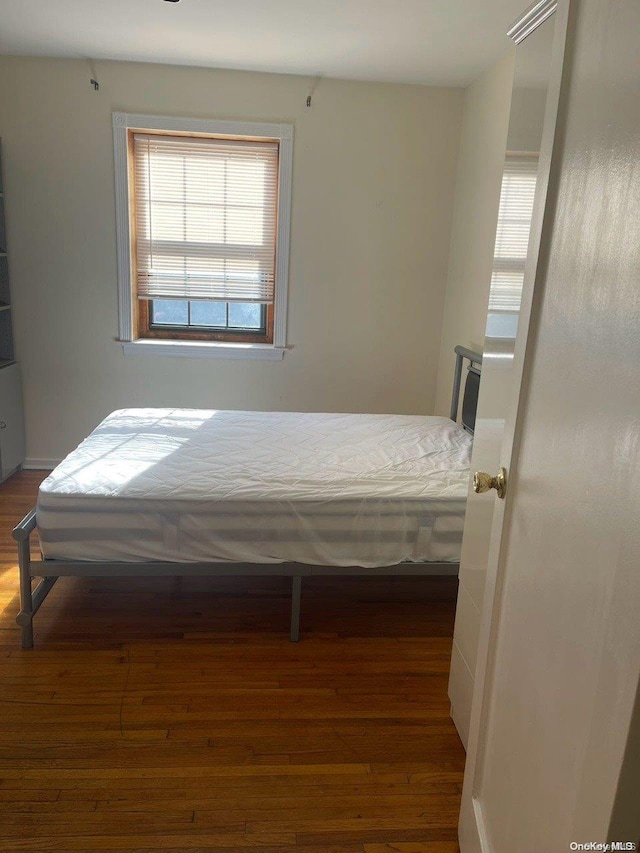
[314, 86]
[94, 77]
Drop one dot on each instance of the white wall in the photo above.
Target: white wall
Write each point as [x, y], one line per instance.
[479, 178]
[374, 175]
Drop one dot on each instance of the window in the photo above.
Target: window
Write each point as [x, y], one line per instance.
[203, 221]
[512, 234]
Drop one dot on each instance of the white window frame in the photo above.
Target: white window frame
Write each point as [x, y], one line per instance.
[125, 122]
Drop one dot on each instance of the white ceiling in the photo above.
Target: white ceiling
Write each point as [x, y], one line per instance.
[436, 42]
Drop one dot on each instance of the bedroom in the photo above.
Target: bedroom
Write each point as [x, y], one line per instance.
[397, 165]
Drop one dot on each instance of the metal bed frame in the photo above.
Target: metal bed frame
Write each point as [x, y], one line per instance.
[50, 570]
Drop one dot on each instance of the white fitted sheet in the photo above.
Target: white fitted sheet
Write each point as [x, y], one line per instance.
[186, 485]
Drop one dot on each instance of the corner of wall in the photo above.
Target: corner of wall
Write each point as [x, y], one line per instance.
[483, 141]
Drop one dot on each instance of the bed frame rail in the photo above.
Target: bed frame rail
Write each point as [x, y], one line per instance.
[474, 358]
[50, 570]
[30, 599]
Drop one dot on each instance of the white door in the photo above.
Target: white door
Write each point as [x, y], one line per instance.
[530, 141]
[553, 745]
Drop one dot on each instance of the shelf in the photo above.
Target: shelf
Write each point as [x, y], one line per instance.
[6, 329]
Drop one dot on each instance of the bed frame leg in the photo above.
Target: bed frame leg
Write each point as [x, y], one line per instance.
[296, 592]
[25, 617]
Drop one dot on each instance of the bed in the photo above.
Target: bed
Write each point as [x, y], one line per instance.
[192, 492]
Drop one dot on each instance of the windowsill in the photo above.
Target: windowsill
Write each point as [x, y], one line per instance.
[203, 349]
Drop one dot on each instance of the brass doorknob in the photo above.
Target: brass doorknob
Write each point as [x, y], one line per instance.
[483, 482]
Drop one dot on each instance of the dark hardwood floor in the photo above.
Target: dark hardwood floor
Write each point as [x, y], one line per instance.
[175, 715]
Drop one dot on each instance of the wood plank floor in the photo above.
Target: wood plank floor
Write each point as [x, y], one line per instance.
[174, 715]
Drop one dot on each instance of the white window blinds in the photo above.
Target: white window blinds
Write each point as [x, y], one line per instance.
[206, 218]
[512, 234]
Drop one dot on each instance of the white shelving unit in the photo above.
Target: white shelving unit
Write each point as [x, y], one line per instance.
[12, 448]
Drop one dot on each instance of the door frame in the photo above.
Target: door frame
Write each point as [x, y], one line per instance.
[472, 833]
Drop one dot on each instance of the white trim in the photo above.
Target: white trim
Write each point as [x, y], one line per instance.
[285, 172]
[125, 299]
[531, 19]
[203, 349]
[122, 123]
[264, 129]
[40, 464]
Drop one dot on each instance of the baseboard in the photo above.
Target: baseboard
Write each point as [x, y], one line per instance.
[459, 724]
[40, 464]
[471, 831]
[460, 689]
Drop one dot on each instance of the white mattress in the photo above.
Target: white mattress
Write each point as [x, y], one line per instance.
[189, 485]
